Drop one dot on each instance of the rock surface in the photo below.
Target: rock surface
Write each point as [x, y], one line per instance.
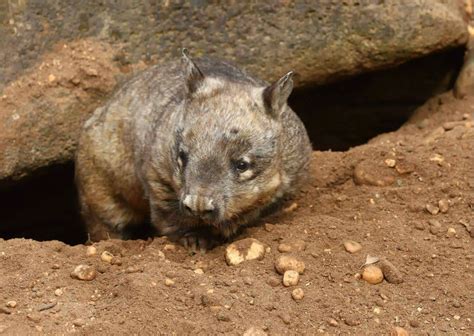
[42, 111]
[365, 36]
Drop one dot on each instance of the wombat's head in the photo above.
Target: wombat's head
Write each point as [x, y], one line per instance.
[227, 147]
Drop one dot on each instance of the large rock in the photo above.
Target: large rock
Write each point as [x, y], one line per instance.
[321, 40]
[40, 114]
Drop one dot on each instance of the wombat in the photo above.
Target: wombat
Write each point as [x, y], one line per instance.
[197, 148]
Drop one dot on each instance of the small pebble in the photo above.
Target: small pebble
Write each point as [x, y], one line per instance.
[199, 271]
[78, 322]
[332, 322]
[134, 269]
[34, 317]
[419, 226]
[405, 167]
[292, 246]
[351, 322]
[291, 278]
[58, 292]
[11, 304]
[283, 248]
[244, 250]
[47, 306]
[223, 316]
[285, 317]
[434, 210]
[399, 331]
[273, 281]
[372, 274]
[84, 272]
[297, 294]
[169, 282]
[439, 159]
[443, 205]
[390, 162]
[390, 272]
[286, 262]
[292, 207]
[91, 250]
[255, 331]
[414, 323]
[169, 247]
[352, 246]
[268, 227]
[107, 256]
[456, 317]
[435, 226]
[298, 245]
[116, 261]
[451, 232]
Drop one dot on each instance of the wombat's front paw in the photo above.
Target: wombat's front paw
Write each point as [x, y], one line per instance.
[196, 240]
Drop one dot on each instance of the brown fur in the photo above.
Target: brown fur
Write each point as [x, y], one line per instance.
[199, 149]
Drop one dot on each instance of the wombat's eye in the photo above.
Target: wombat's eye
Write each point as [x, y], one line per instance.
[182, 158]
[242, 166]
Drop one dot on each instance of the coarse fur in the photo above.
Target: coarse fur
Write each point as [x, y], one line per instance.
[198, 148]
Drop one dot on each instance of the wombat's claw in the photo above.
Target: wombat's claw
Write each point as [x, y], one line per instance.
[196, 241]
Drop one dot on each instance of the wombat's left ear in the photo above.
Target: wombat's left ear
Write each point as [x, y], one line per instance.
[192, 74]
[276, 95]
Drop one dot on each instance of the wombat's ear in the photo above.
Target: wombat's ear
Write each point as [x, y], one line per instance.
[276, 95]
[192, 75]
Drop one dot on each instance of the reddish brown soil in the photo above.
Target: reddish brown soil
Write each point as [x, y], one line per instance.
[389, 220]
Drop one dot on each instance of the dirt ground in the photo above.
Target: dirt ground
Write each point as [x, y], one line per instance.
[152, 287]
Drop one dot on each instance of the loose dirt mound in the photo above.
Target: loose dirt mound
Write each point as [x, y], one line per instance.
[152, 287]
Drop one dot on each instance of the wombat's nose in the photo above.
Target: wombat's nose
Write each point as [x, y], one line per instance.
[199, 205]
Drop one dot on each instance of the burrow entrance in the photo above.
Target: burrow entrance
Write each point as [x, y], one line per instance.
[338, 116]
[348, 113]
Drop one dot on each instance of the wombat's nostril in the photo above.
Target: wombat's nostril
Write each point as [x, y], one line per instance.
[199, 205]
[208, 205]
[188, 208]
[188, 202]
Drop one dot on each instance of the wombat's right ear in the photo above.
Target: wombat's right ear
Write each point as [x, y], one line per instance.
[276, 95]
[192, 75]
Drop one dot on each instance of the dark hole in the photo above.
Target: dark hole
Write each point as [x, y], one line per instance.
[348, 113]
[338, 116]
[43, 208]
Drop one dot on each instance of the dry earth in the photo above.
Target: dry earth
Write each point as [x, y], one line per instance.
[153, 287]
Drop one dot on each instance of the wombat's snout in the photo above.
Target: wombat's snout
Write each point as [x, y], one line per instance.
[200, 206]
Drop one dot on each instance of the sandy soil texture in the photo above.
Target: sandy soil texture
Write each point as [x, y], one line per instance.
[405, 197]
